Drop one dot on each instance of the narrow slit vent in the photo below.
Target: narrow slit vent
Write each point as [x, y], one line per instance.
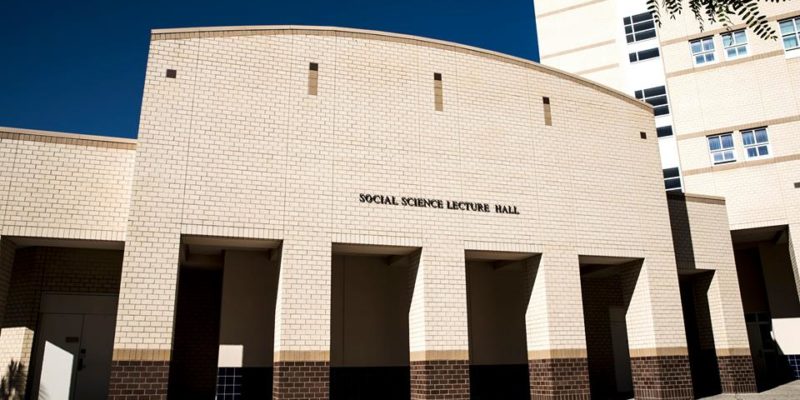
[643, 135]
[313, 78]
[548, 117]
[438, 97]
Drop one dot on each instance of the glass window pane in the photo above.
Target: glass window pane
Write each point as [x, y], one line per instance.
[699, 59]
[732, 52]
[763, 150]
[696, 47]
[761, 136]
[718, 157]
[713, 143]
[740, 36]
[727, 141]
[747, 138]
[790, 42]
[742, 50]
[709, 57]
[751, 152]
[727, 40]
[729, 155]
[787, 27]
[646, 34]
[708, 45]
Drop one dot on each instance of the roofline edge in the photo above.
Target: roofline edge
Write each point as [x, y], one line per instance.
[530, 63]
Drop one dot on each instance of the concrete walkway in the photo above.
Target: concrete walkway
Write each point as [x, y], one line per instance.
[788, 391]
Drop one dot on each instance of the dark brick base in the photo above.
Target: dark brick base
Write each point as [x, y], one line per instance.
[662, 377]
[138, 380]
[736, 374]
[308, 380]
[560, 378]
[440, 380]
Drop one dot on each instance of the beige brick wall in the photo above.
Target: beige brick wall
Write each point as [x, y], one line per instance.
[64, 185]
[703, 242]
[235, 146]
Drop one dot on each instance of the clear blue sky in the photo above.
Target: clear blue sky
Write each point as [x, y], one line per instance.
[78, 65]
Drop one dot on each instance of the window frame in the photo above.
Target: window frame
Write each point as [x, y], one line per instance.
[670, 178]
[796, 24]
[636, 55]
[734, 45]
[630, 22]
[756, 144]
[722, 149]
[704, 53]
[657, 108]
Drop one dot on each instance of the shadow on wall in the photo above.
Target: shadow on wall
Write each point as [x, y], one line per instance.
[12, 385]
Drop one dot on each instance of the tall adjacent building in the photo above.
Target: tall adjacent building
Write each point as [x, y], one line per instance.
[727, 110]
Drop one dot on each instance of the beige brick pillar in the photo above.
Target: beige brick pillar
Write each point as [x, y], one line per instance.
[729, 331]
[438, 327]
[145, 315]
[702, 242]
[554, 324]
[303, 319]
[656, 335]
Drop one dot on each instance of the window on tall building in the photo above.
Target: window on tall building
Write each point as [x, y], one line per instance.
[735, 43]
[672, 178]
[703, 50]
[643, 55]
[756, 142]
[639, 27]
[656, 97]
[664, 131]
[721, 147]
[790, 32]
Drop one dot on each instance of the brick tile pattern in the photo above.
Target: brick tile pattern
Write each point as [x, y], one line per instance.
[309, 380]
[662, 377]
[138, 380]
[736, 374]
[440, 379]
[559, 378]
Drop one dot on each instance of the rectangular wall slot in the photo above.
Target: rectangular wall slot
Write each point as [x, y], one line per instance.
[171, 73]
[438, 97]
[548, 117]
[313, 78]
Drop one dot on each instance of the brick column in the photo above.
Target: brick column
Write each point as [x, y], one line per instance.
[302, 320]
[145, 314]
[656, 336]
[438, 328]
[734, 361]
[702, 242]
[556, 337]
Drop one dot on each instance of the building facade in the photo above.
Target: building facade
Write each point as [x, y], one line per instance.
[734, 109]
[319, 213]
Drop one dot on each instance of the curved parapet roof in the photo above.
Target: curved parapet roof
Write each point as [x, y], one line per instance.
[218, 31]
